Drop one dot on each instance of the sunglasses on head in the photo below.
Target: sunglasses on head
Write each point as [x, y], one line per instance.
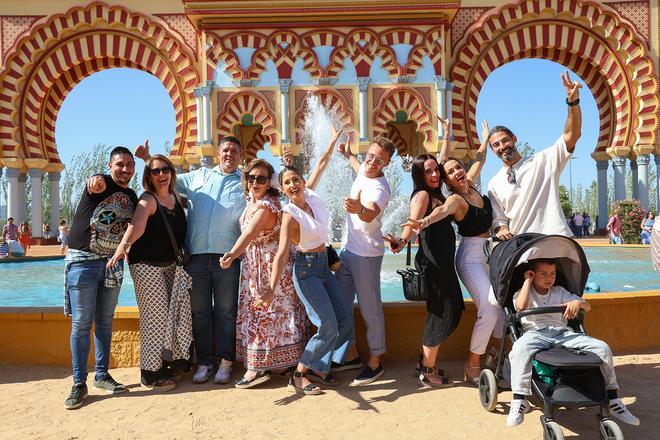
[259, 179]
[157, 171]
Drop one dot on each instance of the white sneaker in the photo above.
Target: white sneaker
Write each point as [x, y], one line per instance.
[224, 372]
[619, 410]
[517, 412]
[202, 374]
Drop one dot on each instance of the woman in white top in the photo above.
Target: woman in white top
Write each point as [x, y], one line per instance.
[305, 223]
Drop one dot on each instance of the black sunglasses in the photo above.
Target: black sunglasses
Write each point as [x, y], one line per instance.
[259, 179]
[157, 171]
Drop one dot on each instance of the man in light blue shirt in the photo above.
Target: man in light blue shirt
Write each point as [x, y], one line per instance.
[215, 203]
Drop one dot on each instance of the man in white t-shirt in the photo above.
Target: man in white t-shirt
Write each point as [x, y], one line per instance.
[362, 253]
[525, 191]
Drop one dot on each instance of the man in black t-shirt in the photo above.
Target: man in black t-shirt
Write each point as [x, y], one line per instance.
[91, 291]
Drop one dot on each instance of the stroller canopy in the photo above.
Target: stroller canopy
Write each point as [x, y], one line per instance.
[510, 259]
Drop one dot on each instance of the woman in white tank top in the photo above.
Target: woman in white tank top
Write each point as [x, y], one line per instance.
[305, 223]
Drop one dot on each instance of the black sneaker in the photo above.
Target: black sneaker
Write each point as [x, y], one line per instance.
[109, 385]
[353, 364]
[76, 397]
[367, 375]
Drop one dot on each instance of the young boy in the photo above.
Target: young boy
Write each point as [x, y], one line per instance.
[548, 330]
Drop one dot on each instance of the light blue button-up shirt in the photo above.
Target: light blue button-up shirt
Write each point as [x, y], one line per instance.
[215, 204]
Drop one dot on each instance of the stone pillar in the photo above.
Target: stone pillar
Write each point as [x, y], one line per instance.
[601, 167]
[619, 164]
[448, 104]
[206, 104]
[54, 178]
[12, 193]
[200, 115]
[642, 180]
[21, 212]
[441, 87]
[635, 188]
[363, 84]
[37, 211]
[284, 109]
[657, 181]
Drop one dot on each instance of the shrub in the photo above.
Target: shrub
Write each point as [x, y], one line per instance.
[631, 217]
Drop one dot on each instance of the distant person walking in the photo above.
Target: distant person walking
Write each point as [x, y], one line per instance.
[10, 230]
[24, 236]
[586, 224]
[614, 227]
[578, 220]
[63, 236]
[647, 227]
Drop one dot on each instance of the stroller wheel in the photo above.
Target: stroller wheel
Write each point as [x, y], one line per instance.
[552, 431]
[488, 390]
[609, 430]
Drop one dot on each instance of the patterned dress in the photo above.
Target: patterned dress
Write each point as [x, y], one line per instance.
[272, 338]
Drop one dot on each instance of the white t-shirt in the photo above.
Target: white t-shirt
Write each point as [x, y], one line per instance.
[366, 239]
[556, 296]
[313, 230]
[532, 203]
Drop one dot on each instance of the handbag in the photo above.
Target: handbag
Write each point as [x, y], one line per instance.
[181, 254]
[414, 285]
[333, 259]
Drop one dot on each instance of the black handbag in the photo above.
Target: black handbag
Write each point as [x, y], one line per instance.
[181, 254]
[333, 259]
[414, 284]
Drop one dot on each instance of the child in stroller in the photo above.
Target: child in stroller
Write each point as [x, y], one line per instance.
[548, 330]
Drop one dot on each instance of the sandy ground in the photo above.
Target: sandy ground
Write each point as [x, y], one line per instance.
[31, 406]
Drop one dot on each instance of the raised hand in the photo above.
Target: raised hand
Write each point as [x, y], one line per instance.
[485, 130]
[572, 87]
[353, 206]
[445, 125]
[345, 148]
[415, 225]
[529, 274]
[287, 156]
[142, 151]
[95, 185]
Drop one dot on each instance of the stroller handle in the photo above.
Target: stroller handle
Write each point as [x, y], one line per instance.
[539, 310]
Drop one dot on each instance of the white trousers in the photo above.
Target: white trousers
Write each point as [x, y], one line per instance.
[473, 269]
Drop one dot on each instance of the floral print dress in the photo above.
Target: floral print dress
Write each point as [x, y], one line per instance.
[274, 337]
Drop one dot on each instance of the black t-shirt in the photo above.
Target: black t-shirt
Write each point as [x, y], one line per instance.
[101, 219]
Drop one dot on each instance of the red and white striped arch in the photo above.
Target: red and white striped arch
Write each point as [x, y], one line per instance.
[590, 39]
[362, 47]
[66, 48]
[283, 48]
[333, 102]
[241, 103]
[407, 100]
[222, 49]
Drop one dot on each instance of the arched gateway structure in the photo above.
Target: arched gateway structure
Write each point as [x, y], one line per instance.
[246, 68]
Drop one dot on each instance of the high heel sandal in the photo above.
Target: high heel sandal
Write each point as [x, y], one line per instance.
[309, 389]
[445, 382]
[468, 374]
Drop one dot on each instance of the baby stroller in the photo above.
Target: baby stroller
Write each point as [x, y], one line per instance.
[561, 377]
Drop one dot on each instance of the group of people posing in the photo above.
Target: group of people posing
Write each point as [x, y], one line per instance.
[258, 273]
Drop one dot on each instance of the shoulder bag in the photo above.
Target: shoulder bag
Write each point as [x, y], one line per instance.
[414, 284]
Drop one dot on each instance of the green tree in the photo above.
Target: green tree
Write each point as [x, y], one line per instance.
[525, 149]
[565, 201]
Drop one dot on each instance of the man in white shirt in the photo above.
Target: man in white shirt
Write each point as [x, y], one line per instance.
[578, 220]
[525, 191]
[362, 253]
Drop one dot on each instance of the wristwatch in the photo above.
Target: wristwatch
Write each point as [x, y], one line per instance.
[572, 103]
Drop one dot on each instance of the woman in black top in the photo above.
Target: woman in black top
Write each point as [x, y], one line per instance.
[473, 215]
[151, 259]
[445, 303]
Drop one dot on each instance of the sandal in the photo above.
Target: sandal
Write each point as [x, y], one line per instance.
[469, 376]
[259, 378]
[287, 372]
[445, 382]
[418, 368]
[309, 389]
[160, 385]
[329, 379]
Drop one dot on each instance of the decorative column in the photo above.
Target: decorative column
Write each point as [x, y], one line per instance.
[37, 215]
[619, 164]
[657, 181]
[441, 87]
[363, 85]
[601, 167]
[635, 188]
[200, 115]
[21, 212]
[54, 178]
[284, 109]
[206, 105]
[205, 150]
[643, 179]
[448, 103]
[12, 192]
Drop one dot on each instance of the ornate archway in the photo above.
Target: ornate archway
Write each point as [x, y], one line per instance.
[332, 101]
[46, 65]
[588, 38]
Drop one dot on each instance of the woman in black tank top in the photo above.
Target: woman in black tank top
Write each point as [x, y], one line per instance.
[472, 213]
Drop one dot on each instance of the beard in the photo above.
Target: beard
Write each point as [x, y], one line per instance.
[509, 154]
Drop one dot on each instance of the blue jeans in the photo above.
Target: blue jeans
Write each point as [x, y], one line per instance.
[91, 302]
[328, 308]
[214, 302]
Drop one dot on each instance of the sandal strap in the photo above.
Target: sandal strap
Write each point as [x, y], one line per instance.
[299, 373]
[428, 370]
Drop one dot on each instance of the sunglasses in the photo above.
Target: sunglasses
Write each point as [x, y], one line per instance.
[375, 160]
[259, 179]
[157, 171]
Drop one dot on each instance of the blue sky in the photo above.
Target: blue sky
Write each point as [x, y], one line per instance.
[125, 106]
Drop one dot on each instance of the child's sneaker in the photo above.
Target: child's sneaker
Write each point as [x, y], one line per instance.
[619, 410]
[517, 412]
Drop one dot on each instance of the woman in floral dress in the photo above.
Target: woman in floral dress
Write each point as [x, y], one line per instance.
[272, 338]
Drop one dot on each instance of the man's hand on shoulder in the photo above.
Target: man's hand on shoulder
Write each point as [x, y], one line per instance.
[95, 184]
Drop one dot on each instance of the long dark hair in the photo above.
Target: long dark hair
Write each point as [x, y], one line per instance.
[419, 183]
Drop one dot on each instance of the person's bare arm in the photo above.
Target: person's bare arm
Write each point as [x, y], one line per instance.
[286, 232]
[444, 149]
[261, 220]
[573, 126]
[366, 212]
[146, 208]
[451, 206]
[322, 163]
[522, 301]
[345, 150]
[480, 158]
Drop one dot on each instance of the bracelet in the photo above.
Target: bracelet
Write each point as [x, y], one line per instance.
[128, 244]
[425, 222]
[572, 103]
[361, 210]
[405, 240]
